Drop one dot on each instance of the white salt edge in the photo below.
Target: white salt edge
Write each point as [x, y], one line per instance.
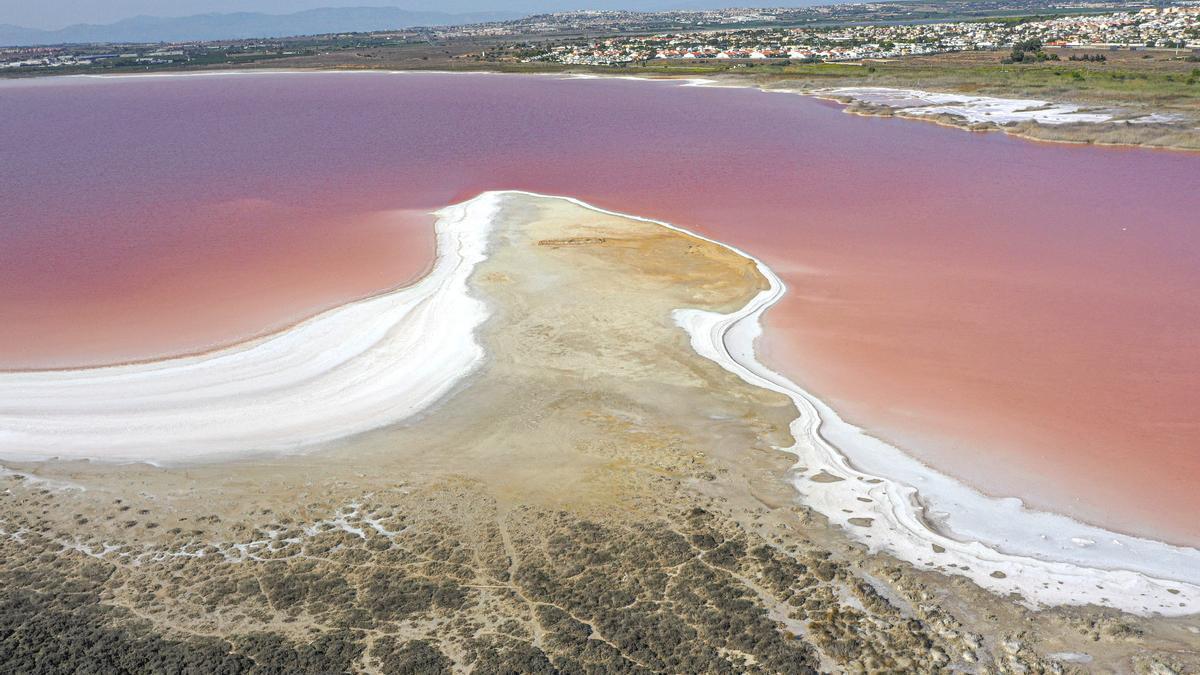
[911, 101]
[1037, 551]
[978, 109]
[347, 370]
[370, 363]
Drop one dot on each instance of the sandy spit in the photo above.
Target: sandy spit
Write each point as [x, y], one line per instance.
[376, 362]
[893, 503]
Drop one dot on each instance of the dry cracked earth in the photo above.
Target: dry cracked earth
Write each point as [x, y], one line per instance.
[596, 499]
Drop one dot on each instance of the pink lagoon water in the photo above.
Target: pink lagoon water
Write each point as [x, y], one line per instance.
[1023, 316]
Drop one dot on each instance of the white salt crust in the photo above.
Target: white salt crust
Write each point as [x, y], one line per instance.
[350, 369]
[381, 360]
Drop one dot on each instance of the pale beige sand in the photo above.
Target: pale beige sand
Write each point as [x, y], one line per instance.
[594, 475]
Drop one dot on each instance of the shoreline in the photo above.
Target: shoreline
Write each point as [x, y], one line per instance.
[898, 113]
[862, 107]
[830, 482]
[266, 395]
[1081, 549]
[850, 477]
[240, 341]
[729, 82]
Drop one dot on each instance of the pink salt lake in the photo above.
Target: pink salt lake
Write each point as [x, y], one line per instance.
[1023, 316]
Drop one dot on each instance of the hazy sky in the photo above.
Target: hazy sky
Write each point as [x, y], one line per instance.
[59, 13]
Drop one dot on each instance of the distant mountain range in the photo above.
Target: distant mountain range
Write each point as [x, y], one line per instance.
[242, 25]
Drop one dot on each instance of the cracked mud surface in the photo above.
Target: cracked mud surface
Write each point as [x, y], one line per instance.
[597, 499]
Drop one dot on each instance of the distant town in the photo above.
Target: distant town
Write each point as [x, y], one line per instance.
[832, 33]
[1175, 27]
[901, 12]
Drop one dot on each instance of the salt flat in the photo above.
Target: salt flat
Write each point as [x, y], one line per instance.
[978, 109]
